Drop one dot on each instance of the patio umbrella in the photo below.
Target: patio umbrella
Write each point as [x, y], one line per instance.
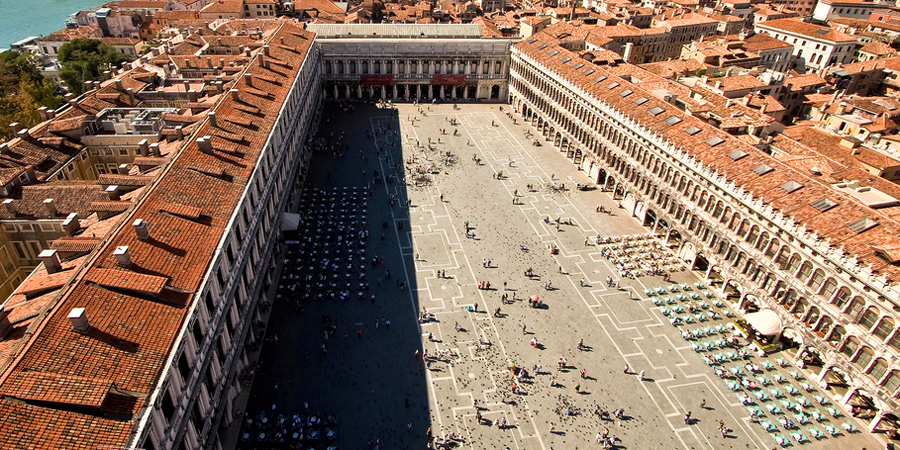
[534, 298]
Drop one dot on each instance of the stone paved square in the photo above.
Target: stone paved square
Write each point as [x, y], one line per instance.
[365, 381]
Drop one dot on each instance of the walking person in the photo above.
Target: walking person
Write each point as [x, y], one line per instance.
[642, 375]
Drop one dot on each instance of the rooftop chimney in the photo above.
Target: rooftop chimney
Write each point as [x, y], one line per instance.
[235, 95]
[262, 61]
[113, 192]
[50, 260]
[222, 62]
[179, 133]
[144, 147]
[212, 118]
[219, 41]
[118, 84]
[10, 208]
[71, 224]
[209, 62]
[131, 98]
[140, 229]
[123, 259]
[107, 74]
[282, 39]
[5, 326]
[266, 50]
[205, 144]
[248, 78]
[43, 112]
[154, 149]
[15, 127]
[79, 319]
[4, 147]
[187, 85]
[187, 62]
[51, 208]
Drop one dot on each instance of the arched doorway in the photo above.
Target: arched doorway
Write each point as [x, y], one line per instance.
[601, 178]
[495, 92]
[649, 219]
[701, 264]
[472, 91]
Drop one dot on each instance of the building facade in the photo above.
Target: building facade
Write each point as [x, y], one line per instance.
[386, 61]
[768, 236]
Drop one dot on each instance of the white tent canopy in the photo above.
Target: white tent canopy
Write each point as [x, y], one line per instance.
[766, 322]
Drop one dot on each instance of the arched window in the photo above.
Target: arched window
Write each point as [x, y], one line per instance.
[864, 357]
[805, 271]
[850, 346]
[817, 279]
[842, 297]
[892, 382]
[884, 328]
[825, 325]
[869, 318]
[828, 288]
[855, 306]
[878, 369]
[793, 264]
[837, 334]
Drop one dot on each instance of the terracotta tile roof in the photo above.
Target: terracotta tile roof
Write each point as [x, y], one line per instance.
[762, 42]
[55, 388]
[877, 48]
[813, 31]
[124, 180]
[130, 337]
[109, 206]
[127, 280]
[75, 244]
[68, 197]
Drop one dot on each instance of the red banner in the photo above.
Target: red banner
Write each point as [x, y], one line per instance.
[449, 79]
[379, 80]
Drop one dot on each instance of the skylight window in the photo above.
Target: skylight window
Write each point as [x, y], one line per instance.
[612, 85]
[823, 31]
[737, 154]
[599, 79]
[578, 66]
[790, 186]
[862, 224]
[714, 141]
[823, 204]
[626, 93]
[542, 46]
[692, 131]
[565, 60]
[532, 41]
[762, 169]
[588, 72]
[673, 120]
[656, 110]
[554, 53]
[640, 101]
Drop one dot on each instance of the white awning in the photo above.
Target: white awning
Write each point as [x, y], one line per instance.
[766, 322]
[289, 222]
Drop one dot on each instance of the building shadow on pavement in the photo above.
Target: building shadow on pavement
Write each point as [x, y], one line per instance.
[354, 358]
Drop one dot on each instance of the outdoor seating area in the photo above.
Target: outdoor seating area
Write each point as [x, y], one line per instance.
[775, 394]
[270, 430]
[639, 255]
[329, 259]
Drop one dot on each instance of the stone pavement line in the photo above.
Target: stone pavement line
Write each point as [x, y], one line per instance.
[432, 388]
[563, 251]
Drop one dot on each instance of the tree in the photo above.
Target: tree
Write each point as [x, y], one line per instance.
[85, 59]
[22, 90]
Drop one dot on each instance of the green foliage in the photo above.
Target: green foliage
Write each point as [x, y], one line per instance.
[22, 90]
[86, 59]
